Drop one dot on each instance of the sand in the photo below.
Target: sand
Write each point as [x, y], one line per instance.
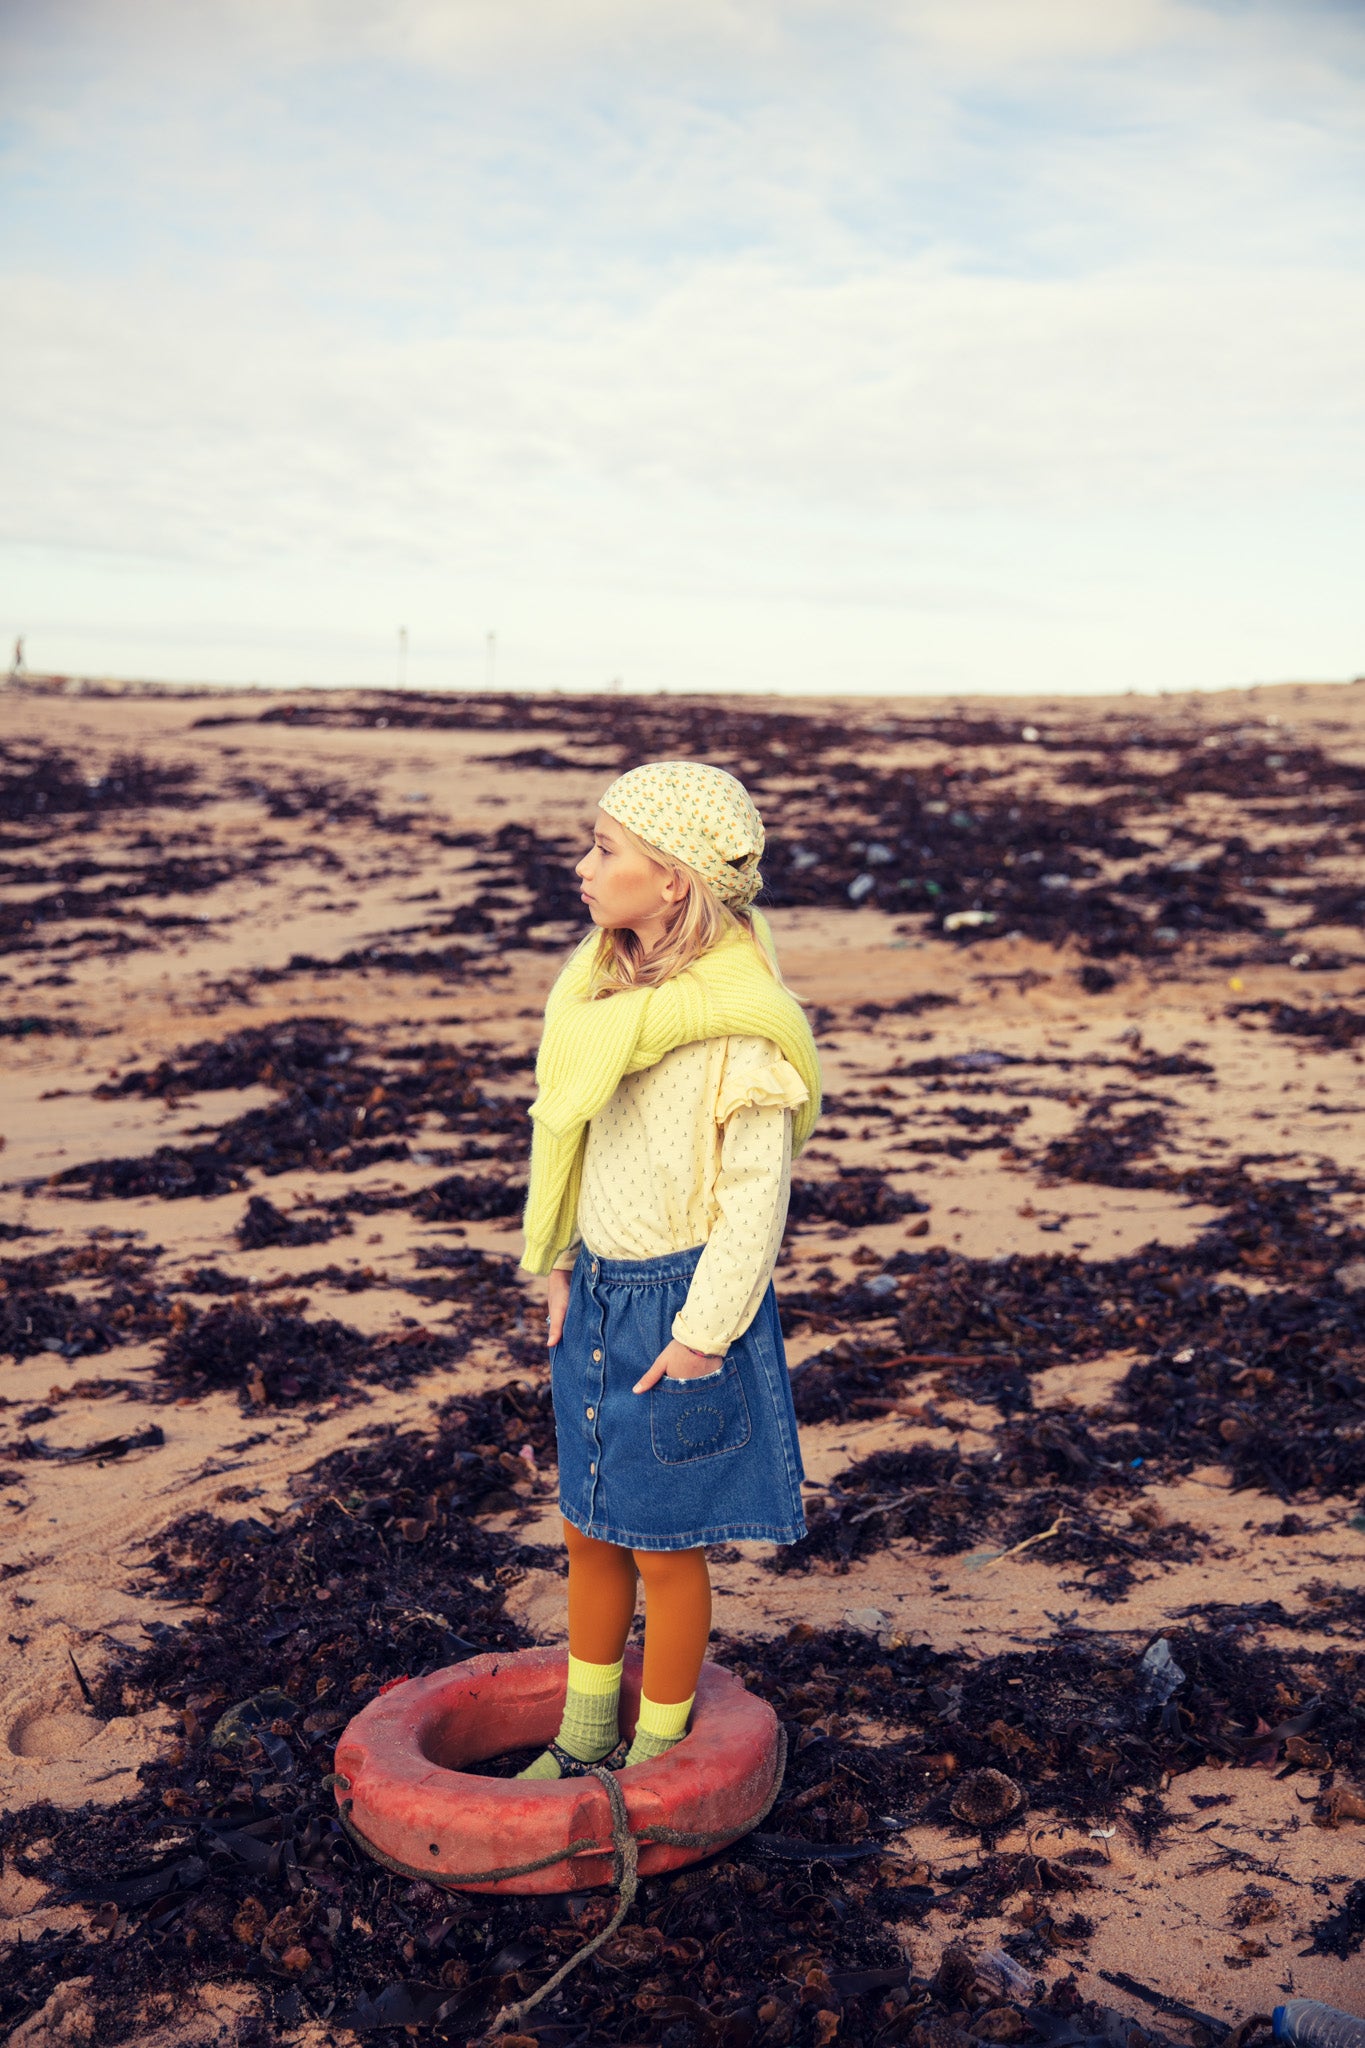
[80, 1535]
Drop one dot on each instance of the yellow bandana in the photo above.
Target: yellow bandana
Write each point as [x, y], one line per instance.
[698, 814]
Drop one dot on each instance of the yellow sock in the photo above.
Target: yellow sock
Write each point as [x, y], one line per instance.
[594, 1679]
[661, 1725]
[588, 1729]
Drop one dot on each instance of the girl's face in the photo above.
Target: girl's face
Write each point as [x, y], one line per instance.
[622, 889]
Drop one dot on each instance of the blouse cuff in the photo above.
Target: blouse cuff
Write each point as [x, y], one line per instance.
[699, 1340]
[569, 1256]
[776, 1085]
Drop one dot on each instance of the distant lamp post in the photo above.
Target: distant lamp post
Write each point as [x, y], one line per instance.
[402, 657]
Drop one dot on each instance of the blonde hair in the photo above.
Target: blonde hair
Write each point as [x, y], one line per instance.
[698, 923]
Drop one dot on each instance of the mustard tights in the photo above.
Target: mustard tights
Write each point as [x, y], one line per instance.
[602, 1587]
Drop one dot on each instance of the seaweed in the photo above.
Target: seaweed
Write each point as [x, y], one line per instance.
[1333, 1029]
[336, 1110]
[275, 1357]
[1053, 1480]
[467, 1198]
[37, 1026]
[229, 1862]
[854, 1197]
[263, 1225]
[1102, 1149]
[39, 784]
[1342, 1931]
[170, 1172]
[37, 1314]
[955, 842]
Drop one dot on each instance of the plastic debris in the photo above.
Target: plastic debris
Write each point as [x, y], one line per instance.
[1311, 2025]
[1004, 1974]
[869, 1620]
[1158, 1673]
[242, 1724]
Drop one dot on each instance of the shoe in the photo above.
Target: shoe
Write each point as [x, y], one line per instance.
[574, 1766]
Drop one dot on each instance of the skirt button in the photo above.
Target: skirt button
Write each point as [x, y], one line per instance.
[591, 1413]
[597, 1358]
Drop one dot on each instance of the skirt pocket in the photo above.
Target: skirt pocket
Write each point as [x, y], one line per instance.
[699, 1418]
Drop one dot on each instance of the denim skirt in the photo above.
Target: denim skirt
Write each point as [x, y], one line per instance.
[708, 1460]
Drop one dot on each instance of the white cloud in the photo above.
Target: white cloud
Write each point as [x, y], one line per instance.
[902, 326]
[226, 427]
[473, 35]
[998, 34]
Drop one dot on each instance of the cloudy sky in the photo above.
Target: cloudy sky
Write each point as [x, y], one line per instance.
[870, 345]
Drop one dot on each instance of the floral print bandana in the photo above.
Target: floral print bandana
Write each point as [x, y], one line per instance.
[696, 814]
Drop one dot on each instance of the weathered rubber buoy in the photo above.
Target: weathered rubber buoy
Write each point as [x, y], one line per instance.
[407, 1797]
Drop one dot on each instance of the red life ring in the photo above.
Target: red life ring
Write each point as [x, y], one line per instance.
[407, 1800]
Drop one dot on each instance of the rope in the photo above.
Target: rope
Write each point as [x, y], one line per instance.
[625, 1869]
[625, 1875]
[453, 1879]
[583, 1845]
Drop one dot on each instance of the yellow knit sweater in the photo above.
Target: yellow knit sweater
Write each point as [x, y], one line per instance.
[588, 1047]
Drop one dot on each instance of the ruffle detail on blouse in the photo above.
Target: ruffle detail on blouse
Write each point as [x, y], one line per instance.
[775, 1085]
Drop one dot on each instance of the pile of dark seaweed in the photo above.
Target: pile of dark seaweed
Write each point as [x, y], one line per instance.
[337, 1110]
[96, 900]
[965, 833]
[1249, 1348]
[229, 1862]
[1114, 860]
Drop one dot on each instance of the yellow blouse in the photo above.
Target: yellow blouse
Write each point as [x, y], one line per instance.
[696, 1150]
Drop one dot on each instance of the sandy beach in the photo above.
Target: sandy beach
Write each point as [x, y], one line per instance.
[1074, 1291]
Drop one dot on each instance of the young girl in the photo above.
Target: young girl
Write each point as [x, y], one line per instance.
[676, 1078]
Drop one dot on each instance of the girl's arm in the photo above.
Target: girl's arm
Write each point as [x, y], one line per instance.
[733, 1272]
[758, 1093]
[556, 1305]
[557, 1290]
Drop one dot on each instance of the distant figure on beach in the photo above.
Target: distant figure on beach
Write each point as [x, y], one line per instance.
[676, 1077]
[17, 665]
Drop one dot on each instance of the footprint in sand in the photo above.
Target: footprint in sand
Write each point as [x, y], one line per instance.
[44, 1736]
[51, 1746]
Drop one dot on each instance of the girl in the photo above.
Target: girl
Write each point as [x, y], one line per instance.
[676, 1077]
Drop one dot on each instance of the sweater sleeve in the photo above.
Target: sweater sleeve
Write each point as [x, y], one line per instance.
[758, 1093]
[568, 1257]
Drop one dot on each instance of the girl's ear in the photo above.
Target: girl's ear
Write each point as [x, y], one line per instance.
[674, 887]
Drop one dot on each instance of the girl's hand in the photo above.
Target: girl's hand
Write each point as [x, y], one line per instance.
[679, 1362]
[556, 1304]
